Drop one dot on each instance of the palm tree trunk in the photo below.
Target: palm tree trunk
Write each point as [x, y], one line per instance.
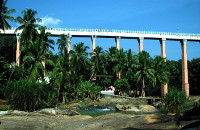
[143, 88]
[118, 74]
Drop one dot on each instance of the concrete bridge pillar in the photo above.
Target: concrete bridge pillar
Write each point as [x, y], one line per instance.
[164, 88]
[18, 50]
[185, 84]
[69, 43]
[140, 41]
[117, 40]
[93, 38]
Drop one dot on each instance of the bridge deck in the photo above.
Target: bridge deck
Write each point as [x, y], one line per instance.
[127, 34]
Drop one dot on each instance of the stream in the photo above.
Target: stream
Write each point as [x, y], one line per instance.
[95, 111]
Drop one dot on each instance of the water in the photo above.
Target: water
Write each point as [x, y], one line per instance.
[103, 110]
[97, 111]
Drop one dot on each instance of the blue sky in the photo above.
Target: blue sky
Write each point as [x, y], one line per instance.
[142, 15]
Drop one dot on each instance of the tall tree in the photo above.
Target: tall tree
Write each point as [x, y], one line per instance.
[62, 44]
[34, 58]
[5, 15]
[98, 61]
[61, 75]
[28, 25]
[61, 72]
[38, 54]
[194, 76]
[161, 71]
[79, 58]
[144, 70]
[129, 69]
[117, 58]
[44, 36]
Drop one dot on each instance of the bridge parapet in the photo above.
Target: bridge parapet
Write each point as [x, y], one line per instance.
[118, 31]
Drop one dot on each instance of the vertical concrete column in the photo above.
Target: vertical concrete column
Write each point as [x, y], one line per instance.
[93, 38]
[69, 43]
[185, 84]
[18, 50]
[117, 40]
[164, 88]
[140, 41]
[163, 51]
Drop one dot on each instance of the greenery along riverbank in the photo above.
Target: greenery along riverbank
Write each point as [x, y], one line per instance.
[77, 74]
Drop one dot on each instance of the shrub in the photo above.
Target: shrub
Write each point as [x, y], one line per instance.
[27, 95]
[122, 85]
[174, 101]
[88, 90]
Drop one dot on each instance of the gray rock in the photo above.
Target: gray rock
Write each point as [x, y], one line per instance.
[50, 111]
[137, 108]
[58, 111]
[14, 112]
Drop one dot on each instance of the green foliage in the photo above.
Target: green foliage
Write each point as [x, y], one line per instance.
[18, 72]
[4, 74]
[194, 76]
[144, 71]
[88, 90]
[122, 85]
[5, 15]
[4, 70]
[174, 101]
[28, 95]
[8, 47]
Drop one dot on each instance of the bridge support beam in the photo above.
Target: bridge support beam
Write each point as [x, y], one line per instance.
[117, 40]
[140, 41]
[185, 84]
[69, 43]
[18, 49]
[93, 38]
[164, 88]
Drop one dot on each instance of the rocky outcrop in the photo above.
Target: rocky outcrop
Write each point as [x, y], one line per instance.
[137, 108]
[49, 111]
[58, 111]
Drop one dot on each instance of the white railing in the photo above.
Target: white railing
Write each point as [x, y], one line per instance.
[119, 31]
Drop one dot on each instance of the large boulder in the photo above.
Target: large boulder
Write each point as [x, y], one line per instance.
[50, 111]
[137, 108]
[58, 111]
[14, 112]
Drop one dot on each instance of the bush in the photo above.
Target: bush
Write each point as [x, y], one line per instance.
[27, 95]
[174, 101]
[88, 90]
[122, 85]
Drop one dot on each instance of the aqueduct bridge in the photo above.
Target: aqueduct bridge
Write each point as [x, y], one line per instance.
[124, 34]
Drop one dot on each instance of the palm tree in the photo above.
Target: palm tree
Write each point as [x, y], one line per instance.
[98, 60]
[117, 57]
[61, 74]
[62, 43]
[161, 71]
[144, 70]
[28, 25]
[79, 58]
[129, 64]
[34, 59]
[46, 42]
[44, 36]
[130, 68]
[5, 14]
